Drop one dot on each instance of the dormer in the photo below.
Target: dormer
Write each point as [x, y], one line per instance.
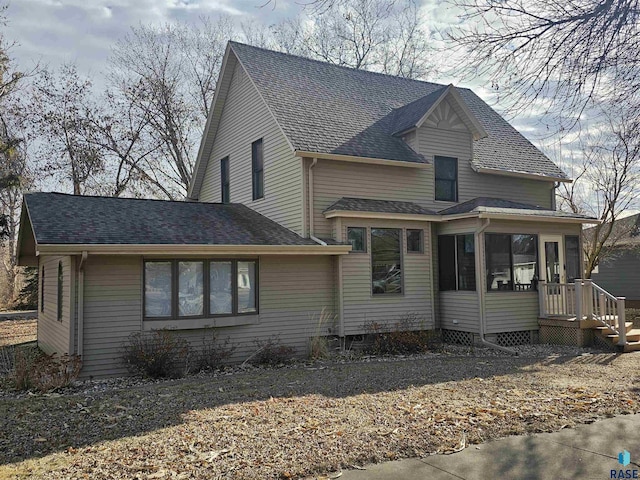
[443, 109]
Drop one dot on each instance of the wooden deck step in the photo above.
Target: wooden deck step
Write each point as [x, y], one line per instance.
[607, 331]
[632, 347]
[633, 335]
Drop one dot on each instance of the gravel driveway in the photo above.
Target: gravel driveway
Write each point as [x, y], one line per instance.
[307, 419]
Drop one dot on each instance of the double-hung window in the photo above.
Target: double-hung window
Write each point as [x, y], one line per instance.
[456, 262]
[386, 260]
[357, 237]
[446, 175]
[257, 169]
[512, 261]
[224, 180]
[175, 289]
[415, 241]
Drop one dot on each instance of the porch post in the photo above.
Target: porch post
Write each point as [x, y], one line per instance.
[542, 293]
[588, 299]
[622, 326]
[578, 282]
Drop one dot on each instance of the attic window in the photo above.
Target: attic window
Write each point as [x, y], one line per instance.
[446, 174]
[224, 179]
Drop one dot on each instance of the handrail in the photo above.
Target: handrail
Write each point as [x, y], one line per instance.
[602, 290]
[584, 300]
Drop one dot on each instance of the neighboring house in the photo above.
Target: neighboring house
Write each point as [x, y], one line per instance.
[315, 186]
[619, 270]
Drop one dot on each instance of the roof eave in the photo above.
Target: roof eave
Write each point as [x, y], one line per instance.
[510, 173]
[536, 218]
[420, 217]
[173, 250]
[350, 158]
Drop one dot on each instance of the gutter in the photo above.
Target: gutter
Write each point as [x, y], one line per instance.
[479, 246]
[85, 254]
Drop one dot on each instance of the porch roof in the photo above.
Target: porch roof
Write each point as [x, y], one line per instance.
[487, 207]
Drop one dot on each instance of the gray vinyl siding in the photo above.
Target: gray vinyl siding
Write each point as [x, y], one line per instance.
[511, 311]
[112, 311]
[55, 336]
[361, 307]
[333, 180]
[450, 143]
[245, 119]
[619, 274]
[459, 311]
[293, 292]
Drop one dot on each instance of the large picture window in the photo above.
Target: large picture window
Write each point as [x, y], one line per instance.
[512, 262]
[175, 289]
[257, 169]
[386, 260]
[456, 262]
[446, 175]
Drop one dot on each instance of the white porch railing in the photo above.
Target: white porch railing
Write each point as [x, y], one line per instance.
[584, 300]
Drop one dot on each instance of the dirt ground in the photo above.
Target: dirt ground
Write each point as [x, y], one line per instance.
[308, 419]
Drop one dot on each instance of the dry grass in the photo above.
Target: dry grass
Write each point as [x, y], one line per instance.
[298, 421]
[13, 332]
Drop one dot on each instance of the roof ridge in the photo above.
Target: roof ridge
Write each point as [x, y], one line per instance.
[344, 67]
[130, 198]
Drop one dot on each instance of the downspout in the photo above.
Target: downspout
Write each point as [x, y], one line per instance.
[556, 185]
[479, 246]
[81, 303]
[310, 201]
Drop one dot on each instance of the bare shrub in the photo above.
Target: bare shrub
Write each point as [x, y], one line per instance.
[34, 370]
[319, 343]
[406, 336]
[212, 354]
[272, 352]
[156, 354]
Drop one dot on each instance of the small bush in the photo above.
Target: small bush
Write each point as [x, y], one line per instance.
[34, 370]
[7, 356]
[212, 353]
[157, 354]
[404, 337]
[319, 343]
[272, 352]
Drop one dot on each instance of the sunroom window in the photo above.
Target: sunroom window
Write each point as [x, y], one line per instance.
[386, 261]
[457, 262]
[512, 262]
[176, 289]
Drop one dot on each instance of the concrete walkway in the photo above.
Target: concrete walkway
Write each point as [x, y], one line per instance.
[586, 452]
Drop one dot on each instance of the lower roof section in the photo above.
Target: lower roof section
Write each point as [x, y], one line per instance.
[56, 223]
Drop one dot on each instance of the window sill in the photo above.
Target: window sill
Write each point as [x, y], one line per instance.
[195, 323]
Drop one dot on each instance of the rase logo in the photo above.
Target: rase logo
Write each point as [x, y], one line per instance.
[624, 459]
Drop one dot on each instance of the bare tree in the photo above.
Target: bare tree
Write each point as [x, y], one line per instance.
[565, 53]
[606, 185]
[168, 75]
[380, 35]
[61, 109]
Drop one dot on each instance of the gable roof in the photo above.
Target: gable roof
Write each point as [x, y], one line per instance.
[61, 219]
[625, 231]
[328, 109]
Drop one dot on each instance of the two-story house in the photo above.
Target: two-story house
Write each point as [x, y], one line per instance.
[316, 186]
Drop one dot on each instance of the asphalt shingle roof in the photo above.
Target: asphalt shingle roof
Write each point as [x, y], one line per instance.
[326, 108]
[58, 218]
[378, 206]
